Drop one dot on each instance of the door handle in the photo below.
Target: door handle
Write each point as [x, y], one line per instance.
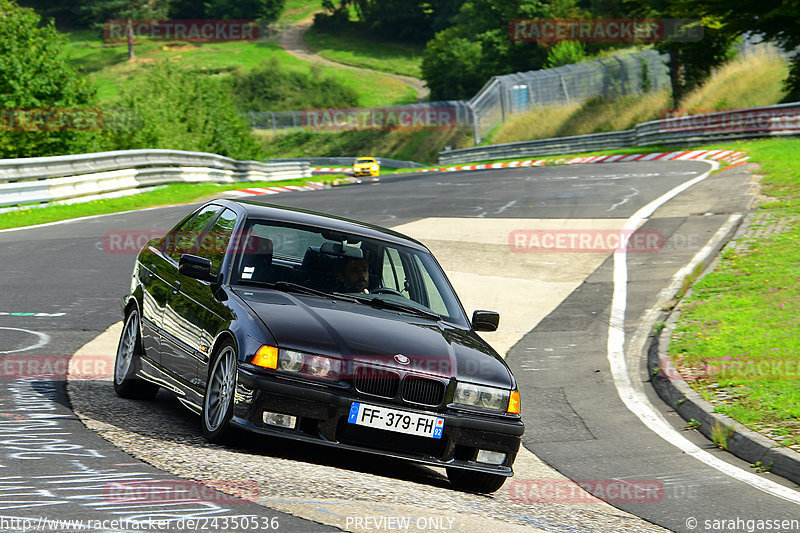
[176, 288]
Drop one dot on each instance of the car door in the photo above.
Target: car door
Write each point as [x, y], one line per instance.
[197, 314]
[173, 332]
[156, 272]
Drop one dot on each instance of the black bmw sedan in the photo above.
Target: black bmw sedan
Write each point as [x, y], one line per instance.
[313, 327]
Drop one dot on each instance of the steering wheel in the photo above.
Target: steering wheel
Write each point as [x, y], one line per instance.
[385, 290]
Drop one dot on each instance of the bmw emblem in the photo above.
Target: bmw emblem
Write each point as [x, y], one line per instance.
[402, 359]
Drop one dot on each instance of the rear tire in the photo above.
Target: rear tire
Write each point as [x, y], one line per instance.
[218, 399]
[128, 362]
[469, 481]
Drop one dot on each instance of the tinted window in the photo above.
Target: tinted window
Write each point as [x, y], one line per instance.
[193, 230]
[215, 241]
[335, 262]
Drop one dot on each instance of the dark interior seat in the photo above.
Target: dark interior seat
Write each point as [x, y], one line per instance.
[257, 259]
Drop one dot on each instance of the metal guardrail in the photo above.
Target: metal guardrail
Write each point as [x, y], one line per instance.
[348, 162]
[752, 123]
[45, 179]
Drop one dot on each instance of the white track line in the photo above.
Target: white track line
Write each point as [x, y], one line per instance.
[635, 400]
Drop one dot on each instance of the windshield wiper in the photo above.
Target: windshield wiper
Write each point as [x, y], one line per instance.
[399, 306]
[382, 303]
[288, 286]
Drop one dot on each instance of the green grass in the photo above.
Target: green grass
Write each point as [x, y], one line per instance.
[362, 51]
[741, 324]
[297, 10]
[178, 193]
[107, 66]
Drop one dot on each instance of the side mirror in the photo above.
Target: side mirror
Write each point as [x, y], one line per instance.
[485, 320]
[196, 267]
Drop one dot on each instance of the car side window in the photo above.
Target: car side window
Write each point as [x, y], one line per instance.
[435, 301]
[393, 274]
[215, 241]
[193, 230]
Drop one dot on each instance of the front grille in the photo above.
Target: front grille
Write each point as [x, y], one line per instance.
[423, 391]
[390, 441]
[377, 382]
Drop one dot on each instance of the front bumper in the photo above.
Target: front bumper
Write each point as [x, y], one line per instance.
[322, 417]
[363, 172]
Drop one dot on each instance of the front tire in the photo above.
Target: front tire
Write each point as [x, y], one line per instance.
[128, 360]
[474, 481]
[218, 400]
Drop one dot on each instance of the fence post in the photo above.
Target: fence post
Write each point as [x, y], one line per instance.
[564, 88]
[623, 73]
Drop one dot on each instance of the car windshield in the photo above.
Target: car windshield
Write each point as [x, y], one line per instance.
[362, 161]
[374, 271]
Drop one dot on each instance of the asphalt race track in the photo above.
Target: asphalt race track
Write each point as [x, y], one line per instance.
[62, 285]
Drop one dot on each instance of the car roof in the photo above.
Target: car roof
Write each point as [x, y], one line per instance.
[296, 215]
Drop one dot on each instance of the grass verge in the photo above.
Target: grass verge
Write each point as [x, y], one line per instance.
[360, 51]
[739, 332]
[173, 194]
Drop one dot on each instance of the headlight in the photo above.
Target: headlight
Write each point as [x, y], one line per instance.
[481, 397]
[375, 168]
[309, 365]
[290, 361]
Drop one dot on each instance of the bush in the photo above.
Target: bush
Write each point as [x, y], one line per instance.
[333, 22]
[566, 53]
[34, 73]
[271, 87]
[183, 110]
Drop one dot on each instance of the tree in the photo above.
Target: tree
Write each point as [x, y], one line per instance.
[102, 11]
[187, 9]
[459, 60]
[268, 10]
[690, 61]
[35, 74]
[777, 21]
[183, 110]
[450, 66]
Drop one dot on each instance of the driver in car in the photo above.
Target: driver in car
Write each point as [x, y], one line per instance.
[354, 275]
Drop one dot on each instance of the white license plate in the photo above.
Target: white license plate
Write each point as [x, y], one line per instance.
[372, 416]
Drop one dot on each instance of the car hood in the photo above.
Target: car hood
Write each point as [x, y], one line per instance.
[360, 332]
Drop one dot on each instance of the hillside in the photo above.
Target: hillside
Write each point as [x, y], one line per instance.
[107, 65]
[737, 84]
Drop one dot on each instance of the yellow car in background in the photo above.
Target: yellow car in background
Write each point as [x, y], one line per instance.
[366, 166]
